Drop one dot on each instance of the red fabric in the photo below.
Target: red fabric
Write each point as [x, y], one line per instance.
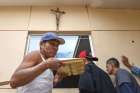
[83, 54]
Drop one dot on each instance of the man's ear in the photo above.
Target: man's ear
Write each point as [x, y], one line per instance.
[42, 45]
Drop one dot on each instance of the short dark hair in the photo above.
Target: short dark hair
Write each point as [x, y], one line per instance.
[113, 61]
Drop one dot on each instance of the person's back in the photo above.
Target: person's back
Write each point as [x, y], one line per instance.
[95, 80]
[123, 79]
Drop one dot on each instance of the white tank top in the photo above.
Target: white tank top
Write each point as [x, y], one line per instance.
[41, 84]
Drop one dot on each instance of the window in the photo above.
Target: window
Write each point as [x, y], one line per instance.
[73, 45]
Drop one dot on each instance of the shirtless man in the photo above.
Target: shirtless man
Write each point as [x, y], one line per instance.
[35, 73]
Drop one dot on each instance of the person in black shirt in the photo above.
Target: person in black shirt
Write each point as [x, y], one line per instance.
[94, 79]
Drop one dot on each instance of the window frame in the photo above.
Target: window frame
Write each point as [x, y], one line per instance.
[60, 34]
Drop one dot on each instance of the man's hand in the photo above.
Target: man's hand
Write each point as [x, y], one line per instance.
[125, 61]
[53, 63]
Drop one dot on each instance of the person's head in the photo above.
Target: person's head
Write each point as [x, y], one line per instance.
[112, 65]
[49, 44]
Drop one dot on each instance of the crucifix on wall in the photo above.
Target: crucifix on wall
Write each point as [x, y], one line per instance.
[58, 14]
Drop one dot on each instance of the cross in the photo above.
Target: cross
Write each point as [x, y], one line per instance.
[58, 14]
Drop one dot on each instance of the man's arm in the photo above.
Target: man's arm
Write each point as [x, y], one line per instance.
[125, 61]
[30, 69]
[135, 70]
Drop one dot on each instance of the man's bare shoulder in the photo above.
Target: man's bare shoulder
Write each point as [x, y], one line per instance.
[32, 56]
[29, 60]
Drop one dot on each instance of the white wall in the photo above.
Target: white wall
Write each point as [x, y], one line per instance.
[43, 19]
[115, 44]
[115, 19]
[14, 18]
[11, 52]
[112, 33]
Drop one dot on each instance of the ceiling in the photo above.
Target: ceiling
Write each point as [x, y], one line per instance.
[127, 4]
